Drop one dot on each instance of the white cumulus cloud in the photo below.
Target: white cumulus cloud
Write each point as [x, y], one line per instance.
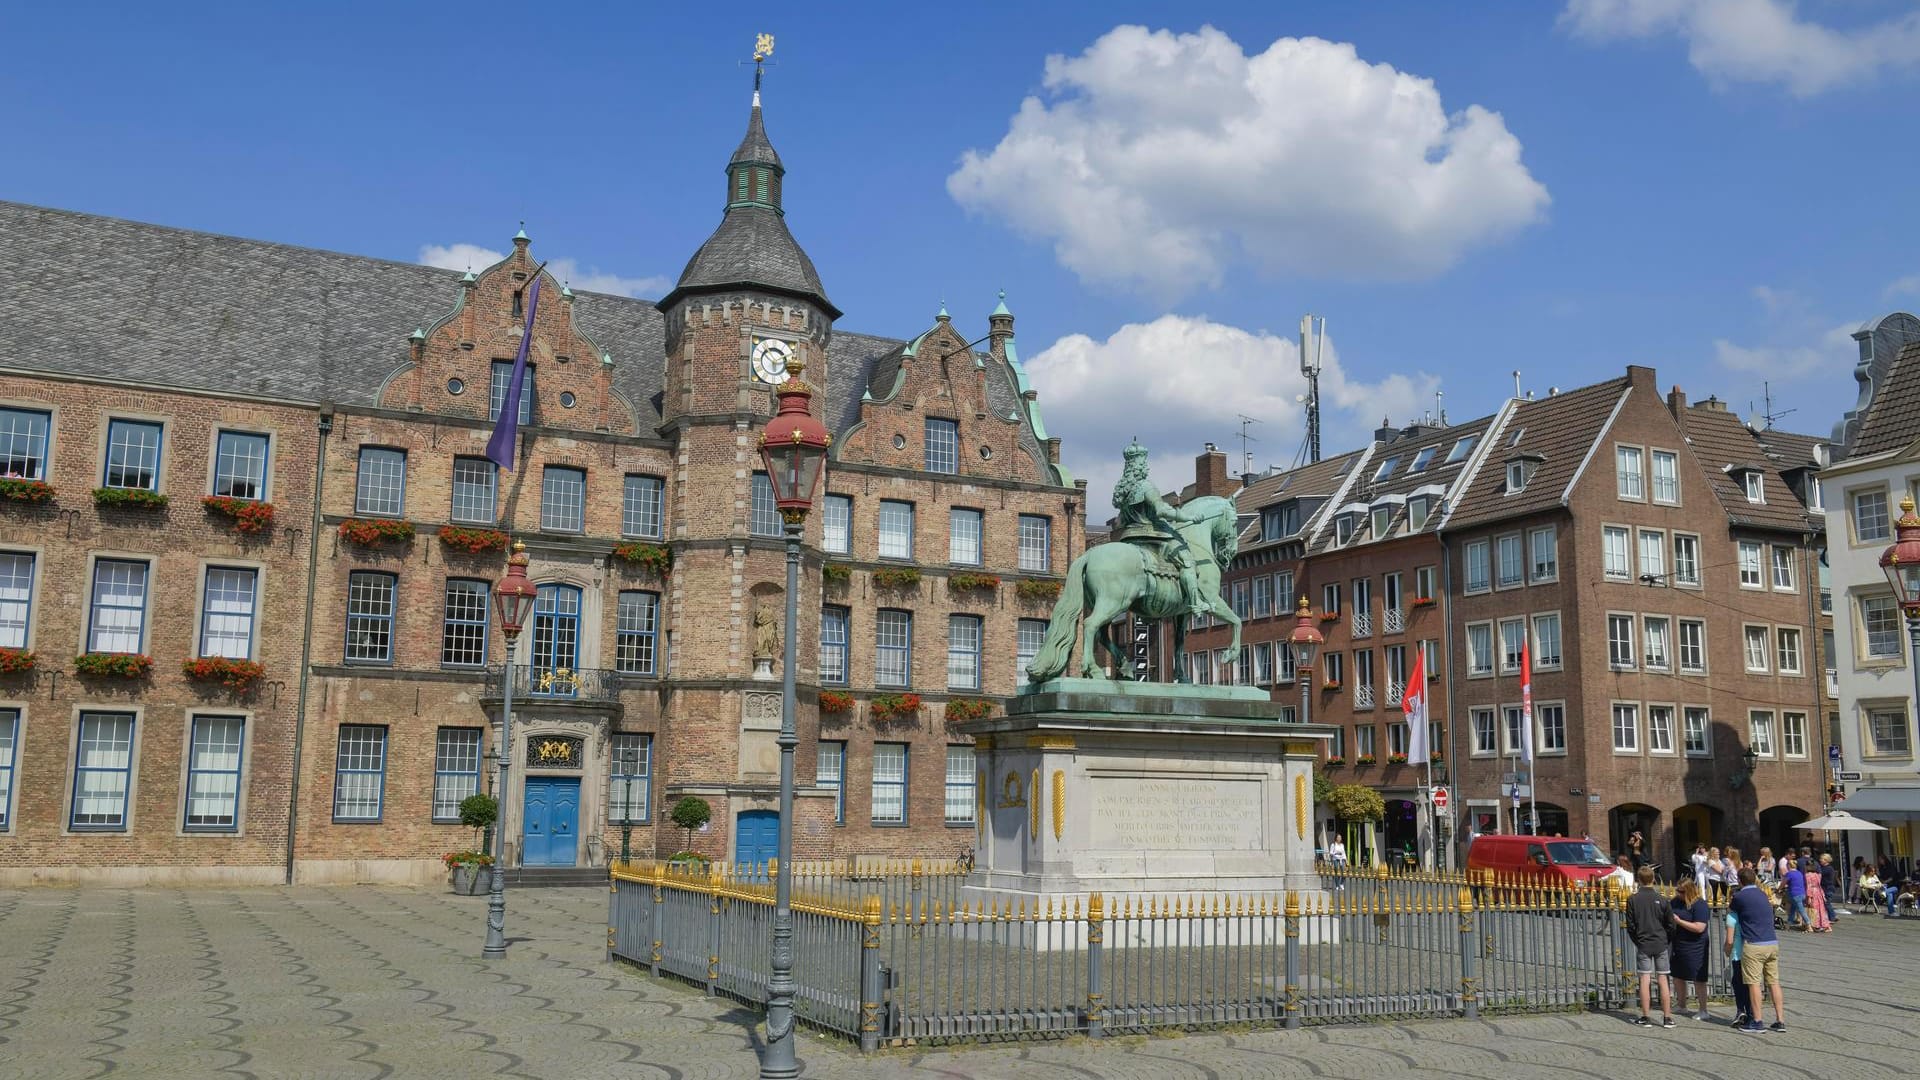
[1180, 382]
[1154, 160]
[590, 279]
[1906, 286]
[1799, 341]
[1756, 41]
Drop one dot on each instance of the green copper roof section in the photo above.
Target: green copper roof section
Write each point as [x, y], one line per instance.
[522, 234]
[943, 311]
[1001, 308]
[913, 347]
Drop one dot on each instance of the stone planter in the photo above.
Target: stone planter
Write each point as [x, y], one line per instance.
[472, 880]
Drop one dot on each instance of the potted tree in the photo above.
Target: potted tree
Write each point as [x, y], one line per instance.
[690, 813]
[470, 877]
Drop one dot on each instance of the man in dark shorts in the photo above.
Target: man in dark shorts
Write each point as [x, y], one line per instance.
[1649, 924]
[1759, 950]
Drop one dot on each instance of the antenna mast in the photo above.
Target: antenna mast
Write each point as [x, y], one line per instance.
[1246, 448]
[1769, 416]
[1310, 360]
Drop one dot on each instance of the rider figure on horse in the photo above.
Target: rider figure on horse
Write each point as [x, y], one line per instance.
[1146, 520]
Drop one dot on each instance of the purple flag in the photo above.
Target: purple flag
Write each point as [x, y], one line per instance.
[506, 429]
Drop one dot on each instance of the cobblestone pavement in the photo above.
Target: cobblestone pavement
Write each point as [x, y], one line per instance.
[370, 982]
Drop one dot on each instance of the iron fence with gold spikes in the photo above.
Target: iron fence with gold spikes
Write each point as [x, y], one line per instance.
[900, 951]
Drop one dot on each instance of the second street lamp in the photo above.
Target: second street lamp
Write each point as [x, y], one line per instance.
[513, 601]
[1305, 641]
[1901, 562]
[794, 451]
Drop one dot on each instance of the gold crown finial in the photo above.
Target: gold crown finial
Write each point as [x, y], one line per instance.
[762, 47]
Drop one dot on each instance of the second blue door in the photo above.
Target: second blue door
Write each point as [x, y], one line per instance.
[552, 817]
[756, 837]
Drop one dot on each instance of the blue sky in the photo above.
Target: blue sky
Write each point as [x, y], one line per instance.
[1718, 188]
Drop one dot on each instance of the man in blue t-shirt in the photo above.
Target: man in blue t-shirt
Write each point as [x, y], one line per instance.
[1795, 883]
[1759, 948]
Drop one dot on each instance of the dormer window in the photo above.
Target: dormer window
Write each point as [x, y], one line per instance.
[1279, 522]
[1418, 508]
[1519, 471]
[1755, 483]
[1343, 528]
[1382, 520]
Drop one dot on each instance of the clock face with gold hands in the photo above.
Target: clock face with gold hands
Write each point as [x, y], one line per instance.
[770, 357]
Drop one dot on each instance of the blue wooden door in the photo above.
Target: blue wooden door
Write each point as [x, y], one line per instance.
[551, 818]
[756, 837]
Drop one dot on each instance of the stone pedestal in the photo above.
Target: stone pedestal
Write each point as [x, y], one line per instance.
[1143, 789]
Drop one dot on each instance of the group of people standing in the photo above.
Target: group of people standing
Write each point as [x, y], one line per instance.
[1671, 938]
[1808, 887]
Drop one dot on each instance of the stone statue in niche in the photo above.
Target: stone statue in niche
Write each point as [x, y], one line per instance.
[766, 636]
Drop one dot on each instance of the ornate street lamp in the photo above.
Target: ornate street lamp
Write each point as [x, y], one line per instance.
[513, 600]
[794, 450]
[1901, 562]
[1305, 640]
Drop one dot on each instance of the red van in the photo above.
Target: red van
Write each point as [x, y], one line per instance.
[1550, 860]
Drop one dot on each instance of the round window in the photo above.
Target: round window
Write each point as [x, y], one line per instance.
[986, 453]
[899, 442]
[456, 387]
[567, 400]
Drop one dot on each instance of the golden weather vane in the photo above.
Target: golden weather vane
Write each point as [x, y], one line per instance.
[762, 48]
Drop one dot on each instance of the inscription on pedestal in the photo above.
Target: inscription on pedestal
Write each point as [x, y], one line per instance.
[1175, 814]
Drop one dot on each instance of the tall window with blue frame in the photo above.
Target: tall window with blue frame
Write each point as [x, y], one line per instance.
[963, 536]
[360, 773]
[118, 620]
[896, 529]
[630, 794]
[638, 633]
[889, 798]
[960, 785]
[23, 444]
[240, 466]
[556, 632]
[213, 774]
[133, 455]
[475, 491]
[563, 499]
[227, 612]
[497, 391]
[9, 741]
[830, 772]
[16, 598]
[836, 526]
[1036, 543]
[640, 507]
[380, 487]
[370, 600]
[463, 628]
[893, 649]
[963, 652]
[1029, 634]
[943, 445]
[834, 627]
[102, 772]
[763, 512]
[456, 770]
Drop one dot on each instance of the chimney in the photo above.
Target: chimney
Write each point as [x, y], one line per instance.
[1210, 473]
[1386, 432]
[1677, 402]
[1643, 378]
[1711, 404]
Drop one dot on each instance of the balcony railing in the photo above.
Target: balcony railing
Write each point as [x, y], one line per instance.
[1362, 623]
[1394, 690]
[1363, 696]
[1393, 621]
[538, 682]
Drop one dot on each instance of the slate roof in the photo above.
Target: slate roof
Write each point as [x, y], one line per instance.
[117, 299]
[1401, 480]
[1719, 439]
[1893, 419]
[1560, 430]
[755, 147]
[1320, 480]
[1789, 450]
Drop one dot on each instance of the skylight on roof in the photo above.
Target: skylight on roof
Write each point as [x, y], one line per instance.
[1421, 459]
[1386, 468]
[1517, 432]
[1461, 449]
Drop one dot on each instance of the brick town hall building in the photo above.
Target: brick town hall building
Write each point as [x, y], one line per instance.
[144, 370]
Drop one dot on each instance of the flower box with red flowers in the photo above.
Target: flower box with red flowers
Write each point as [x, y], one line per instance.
[836, 574]
[968, 708]
[834, 702]
[473, 541]
[1331, 684]
[236, 675]
[1396, 759]
[1364, 759]
[376, 531]
[896, 577]
[128, 499]
[1423, 601]
[1335, 763]
[972, 583]
[894, 706]
[16, 661]
[1040, 589]
[1329, 616]
[22, 490]
[247, 515]
[113, 665]
[652, 558]
[1436, 756]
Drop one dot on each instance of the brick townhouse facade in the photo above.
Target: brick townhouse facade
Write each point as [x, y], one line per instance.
[356, 396]
[1658, 558]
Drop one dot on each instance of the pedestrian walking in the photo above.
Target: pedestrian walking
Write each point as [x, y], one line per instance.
[1832, 882]
[1649, 924]
[1817, 920]
[1795, 884]
[1759, 951]
[1691, 918]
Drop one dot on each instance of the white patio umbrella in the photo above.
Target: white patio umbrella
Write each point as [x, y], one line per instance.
[1840, 821]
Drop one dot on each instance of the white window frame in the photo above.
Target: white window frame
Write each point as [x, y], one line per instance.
[1784, 577]
[1476, 670]
[1517, 544]
[1512, 634]
[1672, 460]
[1621, 570]
[1752, 565]
[1781, 635]
[1881, 515]
[1631, 711]
[1540, 658]
[1651, 558]
[964, 549]
[1760, 732]
[1664, 662]
[1754, 483]
[1791, 733]
[1747, 639]
[1693, 544]
[1617, 620]
[1543, 745]
[890, 547]
[1547, 536]
[1484, 731]
[1687, 715]
[1870, 743]
[1630, 472]
[1482, 550]
[1661, 737]
[1680, 626]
